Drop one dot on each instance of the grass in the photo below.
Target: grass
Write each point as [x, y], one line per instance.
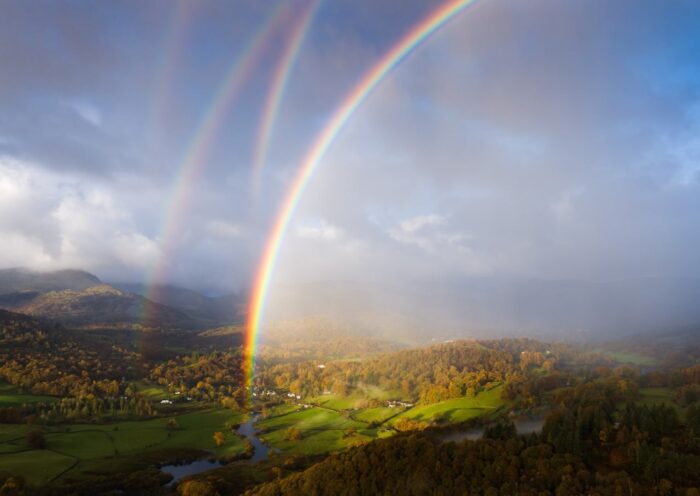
[379, 414]
[633, 358]
[457, 409]
[357, 398]
[656, 396]
[322, 431]
[153, 392]
[12, 431]
[37, 467]
[196, 431]
[310, 418]
[314, 442]
[83, 444]
[108, 445]
[11, 396]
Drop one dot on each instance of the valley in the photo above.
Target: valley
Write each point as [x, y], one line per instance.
[165, 410]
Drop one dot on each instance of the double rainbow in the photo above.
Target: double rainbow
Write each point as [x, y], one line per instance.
[196, 152]
[279, 82]
[419, 33]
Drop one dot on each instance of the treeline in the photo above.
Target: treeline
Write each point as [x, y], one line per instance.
[214, 376]
[46, 359]
[432, 374]
[97, 408]
[417, 465]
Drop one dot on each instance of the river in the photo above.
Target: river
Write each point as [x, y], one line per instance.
[246, 429]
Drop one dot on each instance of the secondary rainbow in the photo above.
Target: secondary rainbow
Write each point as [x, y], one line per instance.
[165, 71]
[434, 21]
[279, 83]
[197, 149]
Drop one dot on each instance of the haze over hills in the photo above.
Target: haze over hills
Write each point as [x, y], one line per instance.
[81, 299]
[475, 307]
[486, 307]
[206, 310]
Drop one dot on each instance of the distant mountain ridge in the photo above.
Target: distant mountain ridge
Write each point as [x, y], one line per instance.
[104, 306]
[207, 311]
[17, 280]
[80, 299]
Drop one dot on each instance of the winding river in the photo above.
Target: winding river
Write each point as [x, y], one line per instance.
[246, 429]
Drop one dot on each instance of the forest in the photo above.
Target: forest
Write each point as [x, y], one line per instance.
[337, 414]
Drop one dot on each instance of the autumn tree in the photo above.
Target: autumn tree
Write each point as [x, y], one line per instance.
[219, 438]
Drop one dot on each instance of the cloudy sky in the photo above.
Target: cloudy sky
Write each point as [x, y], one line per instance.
[547, 139]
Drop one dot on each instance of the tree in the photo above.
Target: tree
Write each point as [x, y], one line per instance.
[219, 438]
[36, 439]
[196, 488]
[292, 434]
[12, 486]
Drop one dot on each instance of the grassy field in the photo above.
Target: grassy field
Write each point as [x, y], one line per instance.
[356, 399]
[321, 430]
[10, 396]
[87, 445]
[12, 431]
[379, 414]
[37, 467]
[324, 429]
[153, 392]
[656, 396]
[630, 358]
[457, 409]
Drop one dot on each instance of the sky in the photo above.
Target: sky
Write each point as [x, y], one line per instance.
[542, 139]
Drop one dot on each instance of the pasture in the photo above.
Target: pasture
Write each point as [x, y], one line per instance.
[321, 431]
[78, 447]
[11, 396]
[456, 409]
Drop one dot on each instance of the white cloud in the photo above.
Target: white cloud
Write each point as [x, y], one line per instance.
[88, 112]
[224, 229]
[52, 221]
[426, 232]
[417, 223]
[323, 231]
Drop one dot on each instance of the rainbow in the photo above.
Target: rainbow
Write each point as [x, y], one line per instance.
[419, 33]
[165, 71]
[279, 82]
[197, 149]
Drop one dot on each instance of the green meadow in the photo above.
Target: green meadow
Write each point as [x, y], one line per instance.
[11, 396]
[456, 409]
[629, 358]
[659, 396]
[323, 428]
[154, 392]
[77, 448]
[321, 431]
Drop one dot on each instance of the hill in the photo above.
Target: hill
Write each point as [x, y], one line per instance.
[20, 280]
[207, 311]
[104, 306]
